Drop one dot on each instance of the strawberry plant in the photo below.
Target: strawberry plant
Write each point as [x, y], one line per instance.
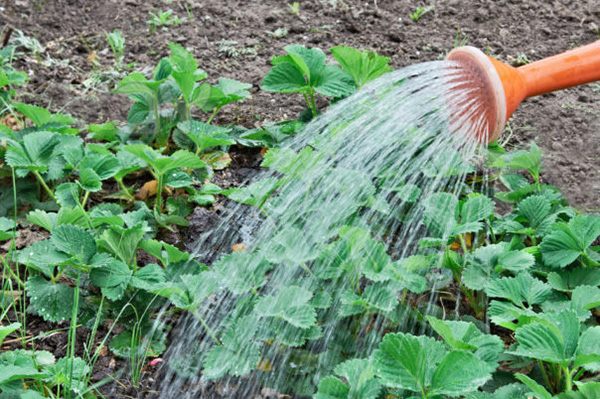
[304, 71]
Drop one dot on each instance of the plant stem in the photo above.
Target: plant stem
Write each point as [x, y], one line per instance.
[544, 374]
[43, 183]
[125, 190]
[568, 379]
[312, 103]
[212, 116]
[208, 329]
[158, 204]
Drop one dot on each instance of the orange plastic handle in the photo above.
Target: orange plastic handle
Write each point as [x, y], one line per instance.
[571, 68]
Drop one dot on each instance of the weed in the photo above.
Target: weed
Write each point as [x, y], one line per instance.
[420, 12]
[294, 8]
[278, 33]
[162, 19]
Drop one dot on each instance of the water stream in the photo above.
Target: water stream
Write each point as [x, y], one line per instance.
[331, 259]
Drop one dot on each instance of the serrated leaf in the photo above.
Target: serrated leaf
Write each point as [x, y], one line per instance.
[567, 242]
[553, 342]
[516, 261]
[42, 256]
[38, 115]
[148, 277]
[67, 194]
[290, 304]
[89, 180]
[238, 355]
[7, 330]
[363, 66]
[35, 153]
[520, 290]
[537, 389]
[122, 243]
[75, 241]
[54, 302]
[568, 280]
[255, 194]
[188, 291]
[242, 272]
[407, 362]
[457, 373]
[332, 81]
[204, 135]
[113, 278]
[441, 214]
[476, 209]
[284, 78]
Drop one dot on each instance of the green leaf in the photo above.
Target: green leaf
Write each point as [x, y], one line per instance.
[42, 256]
[441, 214]
[481, 265]
[476, 209]
[567, 242]
[89, 180]
[242, 272]
[568, 280]
[363, 66]
[112, 278]
[151, 344]
[518, 160]
[178, 180]
[284, 78]
[188, 291]
[516, 261]
[238, 355]
[407, 362]
[520, 290]
[54, 302]
[148, 277]
[122, 243]
[588, 350]
[136, 83]
[553, 342]
[204, 135]
[7, 330]
[290, 304]
[40, 116]
[105, 166]
[67, 194]
[331, 388]
[457, 373]
[333, 82]
[537, 389]
[225, 92]
[75, 241]
[585, 297]
[359, 373]
[34, 153]
[255, 194]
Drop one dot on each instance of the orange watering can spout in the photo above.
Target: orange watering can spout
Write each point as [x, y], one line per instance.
[502, 88]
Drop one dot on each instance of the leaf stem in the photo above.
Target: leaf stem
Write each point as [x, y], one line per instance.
[208, 329]
[212, 116]
[545, 374]
[43, 183]
[312, 103]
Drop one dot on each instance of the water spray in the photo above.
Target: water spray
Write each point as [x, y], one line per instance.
[501, 87]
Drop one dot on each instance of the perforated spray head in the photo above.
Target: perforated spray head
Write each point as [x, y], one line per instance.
[498, 89]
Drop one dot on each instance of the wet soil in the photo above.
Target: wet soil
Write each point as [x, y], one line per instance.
[72, 69]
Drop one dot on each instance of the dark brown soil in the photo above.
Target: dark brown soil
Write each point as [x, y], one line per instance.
[566, 124]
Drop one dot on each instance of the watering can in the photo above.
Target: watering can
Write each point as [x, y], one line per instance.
[501, 87]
